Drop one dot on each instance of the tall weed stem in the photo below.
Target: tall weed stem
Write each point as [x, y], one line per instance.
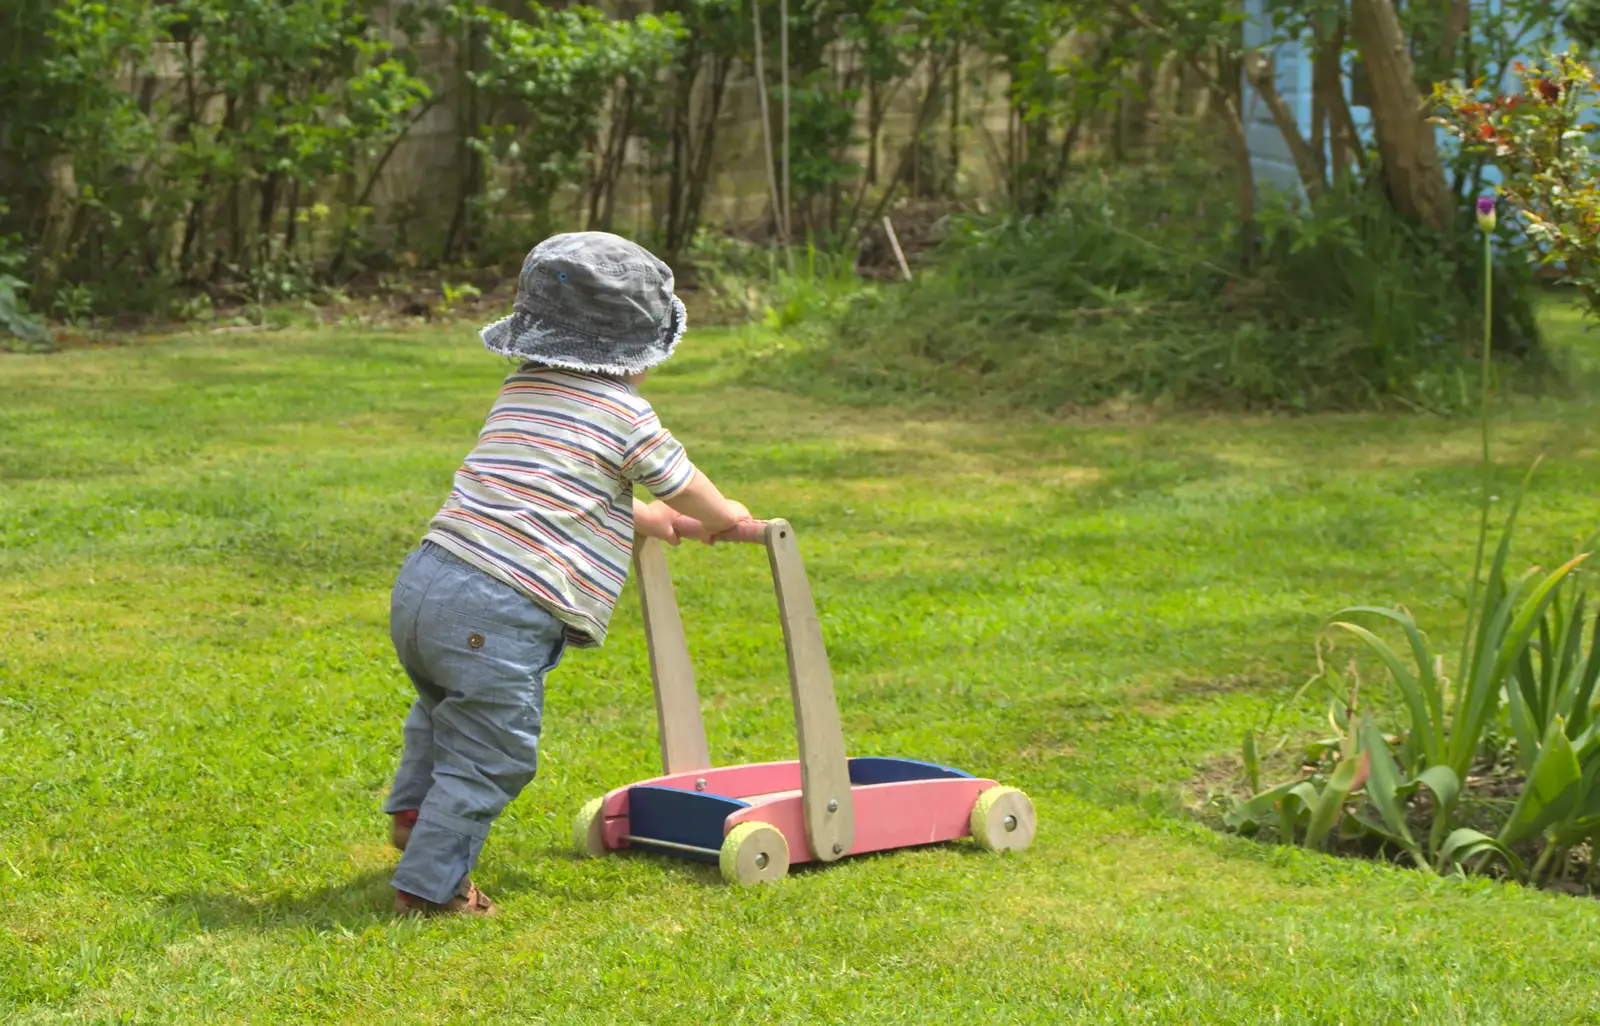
[1487, 223]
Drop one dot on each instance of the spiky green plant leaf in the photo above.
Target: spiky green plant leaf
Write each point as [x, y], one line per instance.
[1424, 697]
[1383, 790]
[1294, 805]
[1509, 633]
[1552, 789]
[1585, 674]
[1330, 802]
[1465, 843]
[1444, 784]
[14, 318]
[1427, 730]
[1250, 814]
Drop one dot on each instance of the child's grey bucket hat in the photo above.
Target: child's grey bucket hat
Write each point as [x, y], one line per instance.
[591, 301]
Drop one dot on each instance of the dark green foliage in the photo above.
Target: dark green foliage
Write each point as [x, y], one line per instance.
[1582, 20]
[18, 329]
[1126, 291]
[23, 330]
[159, 146]
[541, 86]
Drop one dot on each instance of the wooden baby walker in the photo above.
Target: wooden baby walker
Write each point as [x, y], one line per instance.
[758, 819]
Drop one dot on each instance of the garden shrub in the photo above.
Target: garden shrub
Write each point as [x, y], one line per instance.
[18, 328]
[1127, 289]
[184, 143]
[234, 146]
[1494, 759]
[1542, 140]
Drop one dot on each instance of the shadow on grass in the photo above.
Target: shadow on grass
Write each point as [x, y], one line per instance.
[694, 873]
[356, 903]
[351, 903]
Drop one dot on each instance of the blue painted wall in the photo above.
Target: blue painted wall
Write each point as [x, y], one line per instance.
[1274, 168]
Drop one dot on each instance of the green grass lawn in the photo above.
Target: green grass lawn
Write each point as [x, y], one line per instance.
[200, 710]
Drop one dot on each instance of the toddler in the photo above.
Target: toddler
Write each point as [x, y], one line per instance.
[529, 552]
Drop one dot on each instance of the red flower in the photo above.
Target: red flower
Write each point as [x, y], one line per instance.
[1486, 131]
[1549, 90]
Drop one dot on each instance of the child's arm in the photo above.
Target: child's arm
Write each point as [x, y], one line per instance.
[655, 520]
[703, 502]
[657, 461]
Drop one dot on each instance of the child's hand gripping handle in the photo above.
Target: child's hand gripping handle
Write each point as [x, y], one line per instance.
[751, 532]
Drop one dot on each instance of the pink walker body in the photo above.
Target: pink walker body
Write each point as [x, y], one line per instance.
[756, 820]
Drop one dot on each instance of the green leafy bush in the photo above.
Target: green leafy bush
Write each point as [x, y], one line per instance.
[25, 331]
[236, 146]
[1582, 19]
[547, 81]
[1542, 141]
[1127, 291]
[172, 144]
[15, 320]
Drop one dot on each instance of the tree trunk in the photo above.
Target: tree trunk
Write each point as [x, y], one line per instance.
[54, 241]
[783, 58]
[1233, 129]
[1327, 83]
[706, 149]
[1080, 111]
[1262, 76]
[955, 120]
[919, 124]
[469, 164]
[1140, 104]
[685, 76]
[1412, 170]
[1319, 112]
[874, 125]
[292, 223]
[1456, 22]
[766, 130]
[1345, 137]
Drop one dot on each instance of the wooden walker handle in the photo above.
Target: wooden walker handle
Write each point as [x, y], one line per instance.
[749, 532]
[827, 805]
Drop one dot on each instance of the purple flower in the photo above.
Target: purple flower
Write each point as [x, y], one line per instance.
[1486, 213]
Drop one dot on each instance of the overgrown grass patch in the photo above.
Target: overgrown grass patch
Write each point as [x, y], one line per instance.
[199, 711]
[1130, 293]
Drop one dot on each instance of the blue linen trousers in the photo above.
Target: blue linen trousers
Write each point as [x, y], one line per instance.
[477, 652]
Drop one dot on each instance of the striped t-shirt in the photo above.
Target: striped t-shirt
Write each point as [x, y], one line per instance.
[544, 502]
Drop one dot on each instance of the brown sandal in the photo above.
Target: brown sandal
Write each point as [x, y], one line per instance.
[470, 901]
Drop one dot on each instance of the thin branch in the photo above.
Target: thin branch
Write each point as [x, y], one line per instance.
[1260, 71]
[766, 125]
[937, 68]
[783, 57]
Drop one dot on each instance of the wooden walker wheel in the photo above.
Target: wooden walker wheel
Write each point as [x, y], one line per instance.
[754, 853]
[1003, 820]
[588, 830]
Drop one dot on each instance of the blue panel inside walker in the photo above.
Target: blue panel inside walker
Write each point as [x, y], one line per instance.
[893, 771]
[682, 817]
